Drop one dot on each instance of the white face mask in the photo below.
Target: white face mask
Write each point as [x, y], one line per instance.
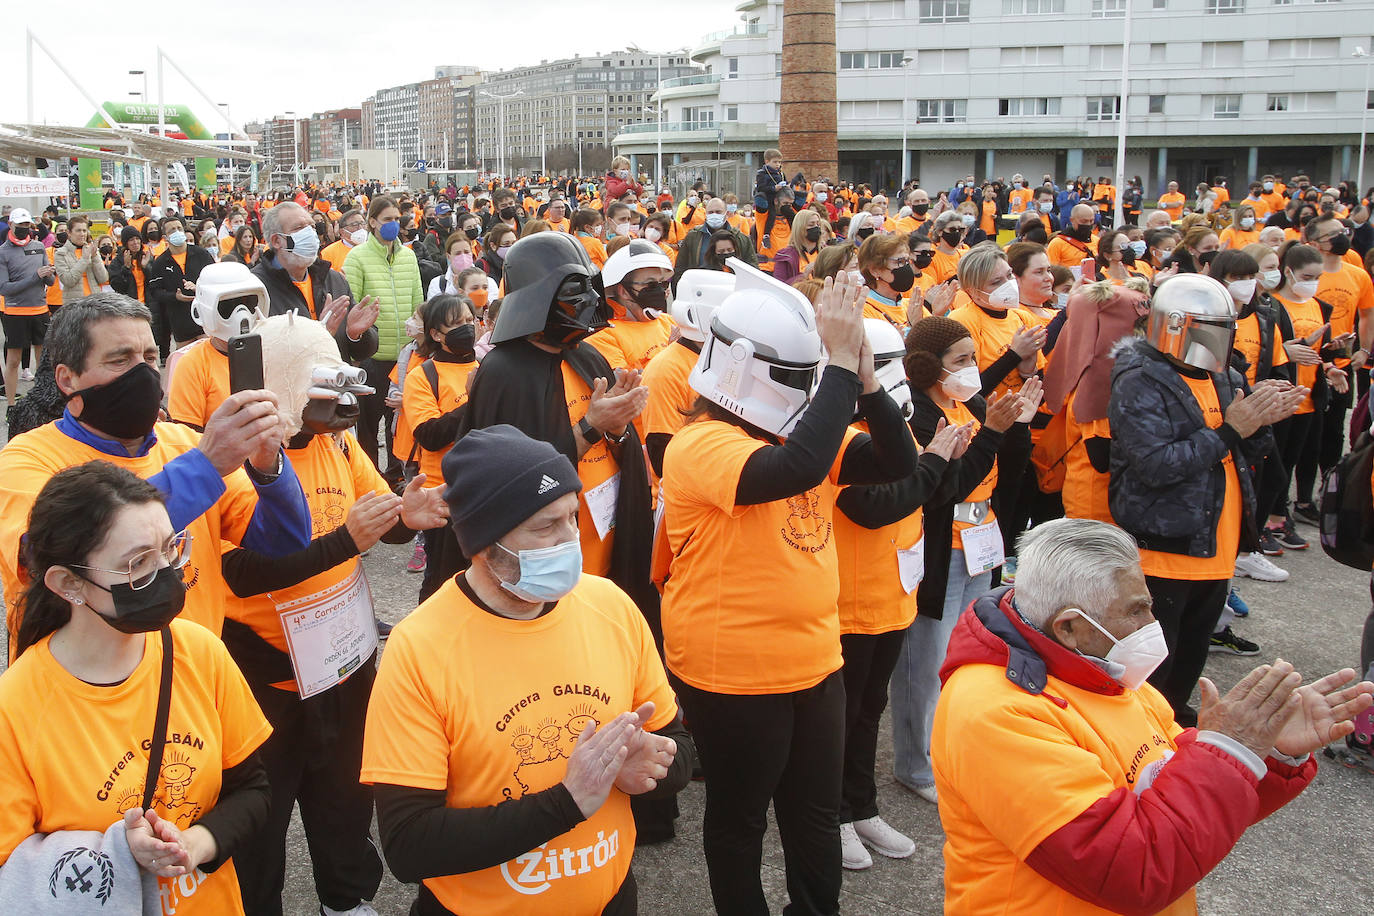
[963, 384]
[968, 221]
[822, 197]
[1006, 296]
[1138, 248]
[1046, 206]
[1061, 299]
[1304, 289]
[652, 233]
[1138, 655]
[1242, 290]
[358, 237]
[1270, 279]
[1247, 222]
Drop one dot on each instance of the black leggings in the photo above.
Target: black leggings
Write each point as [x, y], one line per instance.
[786, 748]
[1298, 441]
[1188, 612]
[1273, 482]
[1033, 506]
[1012, 459]
[372, 410]
[868, 664]
[1333, 431]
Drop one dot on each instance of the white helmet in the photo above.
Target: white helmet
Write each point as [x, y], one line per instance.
[229, 300]
[639, 253]
[699, 294]
[761, 354]
[888, 352]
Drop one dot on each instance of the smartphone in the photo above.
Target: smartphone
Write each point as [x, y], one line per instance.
[1088, 269]
[245, 363]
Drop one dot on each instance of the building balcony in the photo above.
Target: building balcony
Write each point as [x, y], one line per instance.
[688, 86]
[710, 44]
[694, 132]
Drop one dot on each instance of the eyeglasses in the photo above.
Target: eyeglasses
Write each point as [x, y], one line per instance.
[143, 567]
[898, 263]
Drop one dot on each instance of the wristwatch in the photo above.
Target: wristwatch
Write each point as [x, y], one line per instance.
[588, 431]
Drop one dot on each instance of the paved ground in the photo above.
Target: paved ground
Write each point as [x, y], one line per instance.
[1304, 859]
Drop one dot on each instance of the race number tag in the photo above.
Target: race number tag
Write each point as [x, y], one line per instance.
[601, 501]
[911, 565]
[329, 634]
[983, 548]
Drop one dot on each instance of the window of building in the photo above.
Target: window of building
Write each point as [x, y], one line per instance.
[1159, 51]
[1221, 7]
[1031, 7]
[1156, 104]
[1304, 48]
[1108, 9]
[1035, 56]
[1160, 4]
[732, 112]
[1222, 53]
[870, 109]
[945, 10]
[872, 60]
[1369, 100]
[1104, 107]
[1226, 106]
[777, 65]
[1104, 57]
[951, 61]
[932, 111]
[1036, 106]
[732, 68]
[1276, 103]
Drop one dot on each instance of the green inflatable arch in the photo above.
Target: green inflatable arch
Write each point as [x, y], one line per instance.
[177, 117]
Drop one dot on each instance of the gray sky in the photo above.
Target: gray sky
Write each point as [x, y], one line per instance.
[243, 54]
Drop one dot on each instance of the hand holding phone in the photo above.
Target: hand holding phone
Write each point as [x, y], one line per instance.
[1089, 268]
[245, 363]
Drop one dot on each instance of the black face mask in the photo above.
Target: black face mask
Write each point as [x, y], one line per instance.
[154, 235]
[952, 237]
[813, 234]
[920, 209]
[863, 233]
[472, 231]
[1206, 257]
[921, 259]
[61, 238]
[655, 295]
[125, 408]
[149, 608]
[903, 278]
[1082, 233]
[20, 232]
[507, 213]
[1340, 244]
[462, 342]
[787, 212]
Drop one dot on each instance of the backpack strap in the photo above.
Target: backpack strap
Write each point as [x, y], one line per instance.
[164, 706]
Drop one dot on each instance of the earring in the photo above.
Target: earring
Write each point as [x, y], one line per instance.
[76, 599]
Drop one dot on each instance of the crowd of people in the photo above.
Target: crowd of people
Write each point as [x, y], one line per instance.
[694, 488]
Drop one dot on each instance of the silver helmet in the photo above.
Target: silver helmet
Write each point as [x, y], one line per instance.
[1193, 320]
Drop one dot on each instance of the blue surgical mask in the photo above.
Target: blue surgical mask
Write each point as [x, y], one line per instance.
[389, 231]
[176, 239]
[1138, 248]
[715, 220]
[546, 573]
[305, 243]
[732, 208]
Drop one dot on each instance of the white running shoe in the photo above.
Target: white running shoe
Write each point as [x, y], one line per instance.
[853, 856]
[362, 909]
[1257, 566]
[879, 835]
[927, 793]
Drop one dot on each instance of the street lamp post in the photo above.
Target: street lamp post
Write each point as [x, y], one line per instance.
[1124, 107]
[501, 125]
[543, 154]
[1364, 117]
[144, 74]
[906, 157]
[227, 117]
[658, 67]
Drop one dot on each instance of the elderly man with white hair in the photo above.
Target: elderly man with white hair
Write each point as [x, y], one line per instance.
[1044, 687]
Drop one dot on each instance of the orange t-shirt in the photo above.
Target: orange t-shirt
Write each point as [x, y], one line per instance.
[769, 245]
[958, 415]
[1222, 563]
[1237, 238]
[596, 249]
[1085, 488]
[200, 384]
[630, 344]
[910, 224]
[943, 266]
[51, 782]
[1020, 199]
[669, 393]
[332, 480]
[1306, 318]
[992, 336]
[1062, 251]
[1348, 291]
[988, 221]
[776, 629]
[334, 253]
[421, 404]
[29, 461]
[1012, 768]
[1247, 343]
[307, 288]
[873, 599]
[1275, 200]
[884, 309]
[53, 294]
[1172, 204]
[180, 259]
[595, 468]
[487, 709]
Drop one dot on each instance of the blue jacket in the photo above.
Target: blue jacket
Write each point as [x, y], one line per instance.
[1168, 484]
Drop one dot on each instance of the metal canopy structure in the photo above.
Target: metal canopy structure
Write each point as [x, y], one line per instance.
[22, 150]
[122, 143]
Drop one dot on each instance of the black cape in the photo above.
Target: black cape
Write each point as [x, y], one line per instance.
[522, 385]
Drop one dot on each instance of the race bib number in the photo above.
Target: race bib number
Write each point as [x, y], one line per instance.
[329, 634]
[983, 548]
[601, 500]
[911, 565]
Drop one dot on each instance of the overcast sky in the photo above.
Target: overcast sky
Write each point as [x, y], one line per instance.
[263, 58]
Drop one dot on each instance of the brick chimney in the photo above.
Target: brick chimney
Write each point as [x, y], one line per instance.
[807, 129]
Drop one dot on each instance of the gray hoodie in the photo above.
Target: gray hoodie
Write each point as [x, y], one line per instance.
[19, 281]
[77, 872]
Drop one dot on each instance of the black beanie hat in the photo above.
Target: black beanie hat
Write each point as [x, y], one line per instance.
[497, 478]
[128, 234]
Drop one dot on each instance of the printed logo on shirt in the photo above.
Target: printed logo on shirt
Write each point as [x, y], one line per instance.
[180, 763]
[531, 872]
[542, 735]
[807, 529]
[327, 510]
[546, 484]
[1141, 778]
[83, 871]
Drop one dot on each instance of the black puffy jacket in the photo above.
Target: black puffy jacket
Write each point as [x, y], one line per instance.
[1168, 484]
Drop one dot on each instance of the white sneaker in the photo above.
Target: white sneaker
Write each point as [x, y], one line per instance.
[927, 793]
[26, 375]
[362, 909]
[1257, 566]
[853, 856]
[882, 838]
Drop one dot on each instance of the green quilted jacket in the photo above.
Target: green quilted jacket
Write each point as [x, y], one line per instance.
[394, 279]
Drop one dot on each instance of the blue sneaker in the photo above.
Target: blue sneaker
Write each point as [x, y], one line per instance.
[1237, 604]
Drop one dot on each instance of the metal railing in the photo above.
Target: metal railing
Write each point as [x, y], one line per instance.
[698, 80]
